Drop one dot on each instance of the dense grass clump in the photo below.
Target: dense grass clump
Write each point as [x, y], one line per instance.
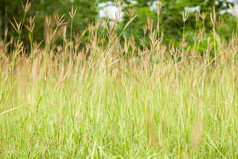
[110, 98]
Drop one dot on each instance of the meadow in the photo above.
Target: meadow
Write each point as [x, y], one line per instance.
[113, 99]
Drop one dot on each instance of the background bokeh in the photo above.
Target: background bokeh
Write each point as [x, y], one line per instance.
[88, 11]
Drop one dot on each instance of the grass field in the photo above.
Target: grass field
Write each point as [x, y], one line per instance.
[112, 99]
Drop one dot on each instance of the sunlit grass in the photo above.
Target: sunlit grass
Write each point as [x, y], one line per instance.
[112, 99]
[93, 112]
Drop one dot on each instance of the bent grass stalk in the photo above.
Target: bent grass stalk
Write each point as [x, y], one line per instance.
[98, 103]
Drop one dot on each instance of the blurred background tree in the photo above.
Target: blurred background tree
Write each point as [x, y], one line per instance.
[87, 12]
[171, 21]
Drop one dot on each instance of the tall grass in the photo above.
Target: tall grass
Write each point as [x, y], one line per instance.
[113, 99]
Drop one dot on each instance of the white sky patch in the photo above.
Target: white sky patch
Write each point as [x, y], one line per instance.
[235, 2]
[153, 6]
[133, 1]
[230, 11]
[192, 9]
[108, 9]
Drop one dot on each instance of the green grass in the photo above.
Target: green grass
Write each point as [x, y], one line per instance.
[103, 112]
[114, 99]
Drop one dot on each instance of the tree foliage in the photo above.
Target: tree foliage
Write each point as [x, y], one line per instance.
[171, 21]
[87, 12]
